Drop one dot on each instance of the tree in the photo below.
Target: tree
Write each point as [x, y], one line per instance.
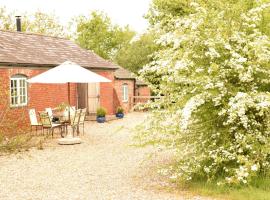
[43, 23]
[213, 73]
[97, 33]
[6, 19]
[137, 53]
[39, 22]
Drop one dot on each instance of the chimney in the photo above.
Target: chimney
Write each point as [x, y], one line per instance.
[18, 23]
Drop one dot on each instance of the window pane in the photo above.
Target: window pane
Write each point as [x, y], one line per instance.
[18, 90]
[125, 92]
[14, 101]
[24, 99]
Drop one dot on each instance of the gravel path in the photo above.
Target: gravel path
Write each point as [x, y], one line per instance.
[104, 167]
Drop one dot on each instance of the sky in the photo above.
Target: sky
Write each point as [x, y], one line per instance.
[122, 12]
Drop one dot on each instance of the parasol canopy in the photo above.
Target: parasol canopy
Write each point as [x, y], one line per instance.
[68, 72]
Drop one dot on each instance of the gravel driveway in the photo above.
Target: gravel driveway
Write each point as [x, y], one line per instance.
[104, 167]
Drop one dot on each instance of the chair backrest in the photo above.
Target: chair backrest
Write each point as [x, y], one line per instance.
[45, 119]
[33, 117]
[72, 110]
[50, 112]
[76, 119]
[65, 114]
[83, 114]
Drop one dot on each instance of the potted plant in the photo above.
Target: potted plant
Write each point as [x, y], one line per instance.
[119, 112]
[101, 113]
[61, 107]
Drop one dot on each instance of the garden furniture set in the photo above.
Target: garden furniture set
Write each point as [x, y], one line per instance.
[50, 121]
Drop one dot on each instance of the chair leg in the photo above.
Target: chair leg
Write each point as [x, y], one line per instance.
[78, 129]
[61, 131]
[83, 128]
[73, 130]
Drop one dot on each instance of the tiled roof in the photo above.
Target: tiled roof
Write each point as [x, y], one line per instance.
[122, 73]
[24, 48]
[140, 83]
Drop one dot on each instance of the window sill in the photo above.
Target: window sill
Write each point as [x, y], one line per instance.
[18, 106]
[124, 101]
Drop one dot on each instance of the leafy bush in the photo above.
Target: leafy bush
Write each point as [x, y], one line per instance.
[62, 106]
[213, 70]
[101, 112]
[20, 143]
[120, 110]
[15, 144]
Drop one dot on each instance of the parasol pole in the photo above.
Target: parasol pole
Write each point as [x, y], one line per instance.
[68, 101]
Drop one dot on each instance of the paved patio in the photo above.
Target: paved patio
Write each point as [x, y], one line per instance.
[104, 167]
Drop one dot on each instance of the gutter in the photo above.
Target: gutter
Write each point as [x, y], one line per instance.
[46, 66]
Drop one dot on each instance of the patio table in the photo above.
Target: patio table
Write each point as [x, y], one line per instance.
[63, 120]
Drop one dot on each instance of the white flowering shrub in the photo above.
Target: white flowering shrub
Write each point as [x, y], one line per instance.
[213, 73]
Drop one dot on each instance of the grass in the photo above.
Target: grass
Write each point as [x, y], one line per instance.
[259, 189]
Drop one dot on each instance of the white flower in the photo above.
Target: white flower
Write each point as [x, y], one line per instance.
[242, 60]
[254, 167]
[173, 177]
[212, 53]
[228, 46]
[190, 106]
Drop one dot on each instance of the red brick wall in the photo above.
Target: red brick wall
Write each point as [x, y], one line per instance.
[107, 91]
[142, 91]
[40, 96]
[118, 96]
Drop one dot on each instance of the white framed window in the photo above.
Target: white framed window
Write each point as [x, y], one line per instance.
[18, 91]
[125, 92]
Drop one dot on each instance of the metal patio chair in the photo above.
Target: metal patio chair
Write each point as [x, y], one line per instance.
[82, 119]
[46, 122]
[75, 121]
[33, 120]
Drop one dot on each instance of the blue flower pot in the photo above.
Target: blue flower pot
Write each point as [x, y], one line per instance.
[101, 119]
[119, 115]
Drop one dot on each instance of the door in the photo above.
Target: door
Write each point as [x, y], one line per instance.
[93, 97]
[82, 95]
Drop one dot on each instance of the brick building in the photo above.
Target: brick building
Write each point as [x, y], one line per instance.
[24, 55]
[127, 88]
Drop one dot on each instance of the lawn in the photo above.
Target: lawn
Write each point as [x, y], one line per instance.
[257, 190]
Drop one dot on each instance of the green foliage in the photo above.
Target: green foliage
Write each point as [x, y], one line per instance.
[258, 189]
[15, 144]
[137, 53]
[120, 110]
[38, 22]
[101, 112]
[213, 73]
[62, 106]
[97, 33]
[6, 19]
[160, 10]
[43, 23]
